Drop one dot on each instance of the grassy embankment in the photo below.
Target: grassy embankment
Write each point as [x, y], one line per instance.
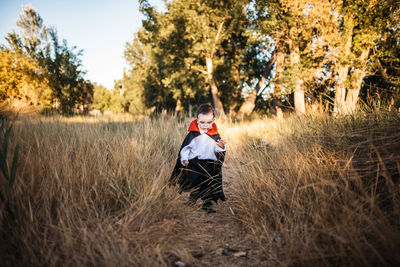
[93, 191]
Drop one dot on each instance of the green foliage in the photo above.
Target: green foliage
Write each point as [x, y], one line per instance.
[168, 54]
[51, 72]
[107, 100]
[133, 100]
[383, 80]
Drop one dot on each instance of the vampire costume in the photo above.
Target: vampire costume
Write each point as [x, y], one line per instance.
[202, 177]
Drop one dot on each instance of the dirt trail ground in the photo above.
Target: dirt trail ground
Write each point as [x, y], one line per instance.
[225, 243]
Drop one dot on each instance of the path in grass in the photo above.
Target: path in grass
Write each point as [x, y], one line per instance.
[224, 242]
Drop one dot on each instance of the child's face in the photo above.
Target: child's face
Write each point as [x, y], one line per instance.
[205, 121]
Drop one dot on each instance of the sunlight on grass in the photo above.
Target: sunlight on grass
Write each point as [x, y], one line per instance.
[325, 191]
[93, 191]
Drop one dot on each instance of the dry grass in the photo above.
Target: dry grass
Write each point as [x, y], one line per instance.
[93, 191]
[326, 192]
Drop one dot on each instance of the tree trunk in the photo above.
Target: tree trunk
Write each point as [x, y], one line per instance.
[219, 109]
[190, 110]
[178, 108]
[340, 94]
[351, 100]
[276, 102]
[250, 102]
[236, 92]
[343, 66]
[299, 104]
[276, 108]
[357, 77]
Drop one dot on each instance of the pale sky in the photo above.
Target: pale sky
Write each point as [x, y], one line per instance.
[99, 27]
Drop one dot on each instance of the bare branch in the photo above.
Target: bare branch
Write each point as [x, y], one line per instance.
[217, 37]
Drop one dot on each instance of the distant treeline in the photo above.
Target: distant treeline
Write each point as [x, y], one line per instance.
[266, 55]
[241, 55]
[39, 70]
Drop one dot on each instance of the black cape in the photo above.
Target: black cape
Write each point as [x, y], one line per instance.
[203, 178]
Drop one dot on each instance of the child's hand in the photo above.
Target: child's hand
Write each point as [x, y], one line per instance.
[185, 162]
[221, 143]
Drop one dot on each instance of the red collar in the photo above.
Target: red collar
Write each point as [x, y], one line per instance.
[195, 127]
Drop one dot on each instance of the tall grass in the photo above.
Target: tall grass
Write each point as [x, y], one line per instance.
[93, 192]
[326, 192]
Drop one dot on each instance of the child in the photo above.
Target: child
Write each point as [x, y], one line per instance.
[200, 159]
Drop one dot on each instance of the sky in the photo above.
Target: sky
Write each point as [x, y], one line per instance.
[99, 27]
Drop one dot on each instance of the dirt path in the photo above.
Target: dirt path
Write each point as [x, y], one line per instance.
[224, 242]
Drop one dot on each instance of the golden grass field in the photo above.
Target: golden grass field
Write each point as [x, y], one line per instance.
[94, 191]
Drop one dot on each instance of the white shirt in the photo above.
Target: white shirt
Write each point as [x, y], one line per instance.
[202, 146]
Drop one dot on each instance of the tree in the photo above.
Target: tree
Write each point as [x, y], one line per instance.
[21, 80]
[305, 51]
[55, 62]
[107, 100]
[382, 82]
[298, 30]
[363, 28]
[133, 95]
[196, 48]
[248, 105]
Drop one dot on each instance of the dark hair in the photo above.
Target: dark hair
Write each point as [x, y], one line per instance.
[205, 109]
